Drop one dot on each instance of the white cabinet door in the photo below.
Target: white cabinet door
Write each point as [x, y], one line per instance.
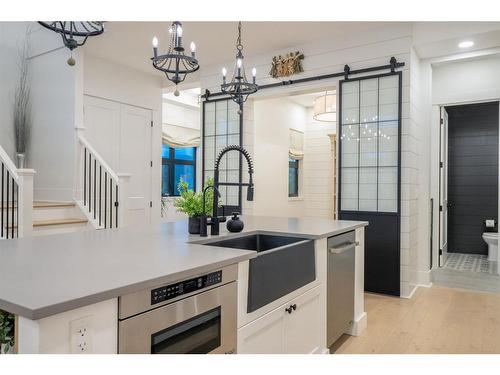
[303, 324]
[264, 335]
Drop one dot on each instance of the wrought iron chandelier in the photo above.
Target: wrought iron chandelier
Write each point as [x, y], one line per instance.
[74, 34]
[239, 88]
[175, 64]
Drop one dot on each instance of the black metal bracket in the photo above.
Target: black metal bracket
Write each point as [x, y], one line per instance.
[393, 65]
[347, 71]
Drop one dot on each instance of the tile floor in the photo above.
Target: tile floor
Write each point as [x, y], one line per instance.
[471, 263]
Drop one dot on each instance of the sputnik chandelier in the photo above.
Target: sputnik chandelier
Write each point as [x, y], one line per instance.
[238, 87]
[74, 34]
[175, 63]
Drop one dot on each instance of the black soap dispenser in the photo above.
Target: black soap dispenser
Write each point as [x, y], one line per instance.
[235, 224]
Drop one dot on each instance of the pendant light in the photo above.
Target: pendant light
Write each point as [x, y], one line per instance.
[74, 34]
[325, 108]
[239, 88]
[175, 63]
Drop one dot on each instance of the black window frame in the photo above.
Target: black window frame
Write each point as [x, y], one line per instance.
[172, 162]
[295, 165]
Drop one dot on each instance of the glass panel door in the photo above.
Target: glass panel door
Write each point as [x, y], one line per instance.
[222, 127]
[369, 144]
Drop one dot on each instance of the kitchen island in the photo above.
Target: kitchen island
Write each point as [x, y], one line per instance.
[61, 283]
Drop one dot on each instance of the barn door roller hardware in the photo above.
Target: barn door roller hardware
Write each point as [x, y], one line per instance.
[392, 66]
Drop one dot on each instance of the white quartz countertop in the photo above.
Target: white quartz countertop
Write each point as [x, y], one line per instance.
[45, 275]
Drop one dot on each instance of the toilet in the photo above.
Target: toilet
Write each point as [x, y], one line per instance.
[491, 238]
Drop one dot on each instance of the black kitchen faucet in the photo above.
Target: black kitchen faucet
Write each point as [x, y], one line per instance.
[214, 219]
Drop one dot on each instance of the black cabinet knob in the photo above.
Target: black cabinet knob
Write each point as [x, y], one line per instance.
[291, 308]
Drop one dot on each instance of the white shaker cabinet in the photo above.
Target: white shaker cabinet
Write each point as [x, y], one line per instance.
[294, 327]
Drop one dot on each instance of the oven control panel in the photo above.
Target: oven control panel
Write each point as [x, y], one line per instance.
[167, 292]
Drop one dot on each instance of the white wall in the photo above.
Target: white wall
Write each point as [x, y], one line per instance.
[466, 81]
[318, 167]
[52, 151]
[272, 120]
[11, 37]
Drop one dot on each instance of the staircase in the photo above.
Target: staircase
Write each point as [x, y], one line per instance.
[58, 217]
[100, 198]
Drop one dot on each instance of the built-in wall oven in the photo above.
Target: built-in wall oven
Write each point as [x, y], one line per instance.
[192, 316]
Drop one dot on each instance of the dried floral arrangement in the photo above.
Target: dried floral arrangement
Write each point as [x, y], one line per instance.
[285, 66]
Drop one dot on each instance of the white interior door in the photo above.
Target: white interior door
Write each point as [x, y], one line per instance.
[102, 127]
[122, 135]
[135, 158]
[443, 188]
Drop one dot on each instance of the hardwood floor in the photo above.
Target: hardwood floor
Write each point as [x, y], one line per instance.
[435, 320]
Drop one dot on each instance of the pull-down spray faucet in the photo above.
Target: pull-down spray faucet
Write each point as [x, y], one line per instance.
[216, 220]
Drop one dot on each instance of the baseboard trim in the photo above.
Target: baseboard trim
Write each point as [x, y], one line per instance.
[410, 295]
[359, 325]
[424, 278]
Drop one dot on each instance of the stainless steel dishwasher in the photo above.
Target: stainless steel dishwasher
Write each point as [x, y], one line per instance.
[340, 285]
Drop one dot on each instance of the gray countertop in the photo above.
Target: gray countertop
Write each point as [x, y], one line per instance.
[45, 275]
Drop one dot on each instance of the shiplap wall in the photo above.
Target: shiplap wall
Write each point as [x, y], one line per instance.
[328, 58]
[318, 167]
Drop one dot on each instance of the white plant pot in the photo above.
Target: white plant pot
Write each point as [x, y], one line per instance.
[20, 160]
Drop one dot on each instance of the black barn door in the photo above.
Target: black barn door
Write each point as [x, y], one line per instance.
[370, 173]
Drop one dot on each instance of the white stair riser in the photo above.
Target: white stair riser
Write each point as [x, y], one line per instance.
[56, 213]
[59, 229]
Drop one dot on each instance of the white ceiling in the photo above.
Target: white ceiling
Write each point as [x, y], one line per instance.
[129, 43]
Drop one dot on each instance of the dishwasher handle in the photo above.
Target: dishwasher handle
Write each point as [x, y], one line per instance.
[343, 248]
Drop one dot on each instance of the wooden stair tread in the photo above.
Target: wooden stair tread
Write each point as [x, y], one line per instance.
[44, 223]
[42, 204]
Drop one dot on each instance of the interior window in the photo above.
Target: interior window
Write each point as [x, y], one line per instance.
[293, 178]
[177, 163]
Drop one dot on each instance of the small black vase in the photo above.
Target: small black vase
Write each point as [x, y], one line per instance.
[235, 224]
[194, 225]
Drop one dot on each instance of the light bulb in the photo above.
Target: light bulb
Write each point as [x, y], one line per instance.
[224, 72]
[155, 42]
[254, 72]
[179, 31]
[193, 47]
[239, 62]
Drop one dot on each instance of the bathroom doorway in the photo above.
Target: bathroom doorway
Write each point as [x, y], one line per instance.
[468, 191]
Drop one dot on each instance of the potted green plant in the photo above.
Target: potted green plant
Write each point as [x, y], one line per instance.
[191, 203]
[6, 332]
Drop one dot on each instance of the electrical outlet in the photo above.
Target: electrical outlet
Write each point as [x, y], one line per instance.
[81, 335]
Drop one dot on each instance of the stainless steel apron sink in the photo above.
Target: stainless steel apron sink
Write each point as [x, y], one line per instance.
[283, 264]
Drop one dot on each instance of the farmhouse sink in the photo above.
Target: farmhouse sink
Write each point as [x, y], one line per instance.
[283, 264]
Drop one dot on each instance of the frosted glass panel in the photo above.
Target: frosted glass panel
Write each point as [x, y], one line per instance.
[388, 189]
[370, 144]
[349, 189]
[368, 189]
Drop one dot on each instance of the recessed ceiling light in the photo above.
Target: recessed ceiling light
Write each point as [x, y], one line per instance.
[466, 44]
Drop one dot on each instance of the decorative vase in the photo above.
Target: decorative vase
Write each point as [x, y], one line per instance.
[194, 225]
[21, 156]
[235, 224]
